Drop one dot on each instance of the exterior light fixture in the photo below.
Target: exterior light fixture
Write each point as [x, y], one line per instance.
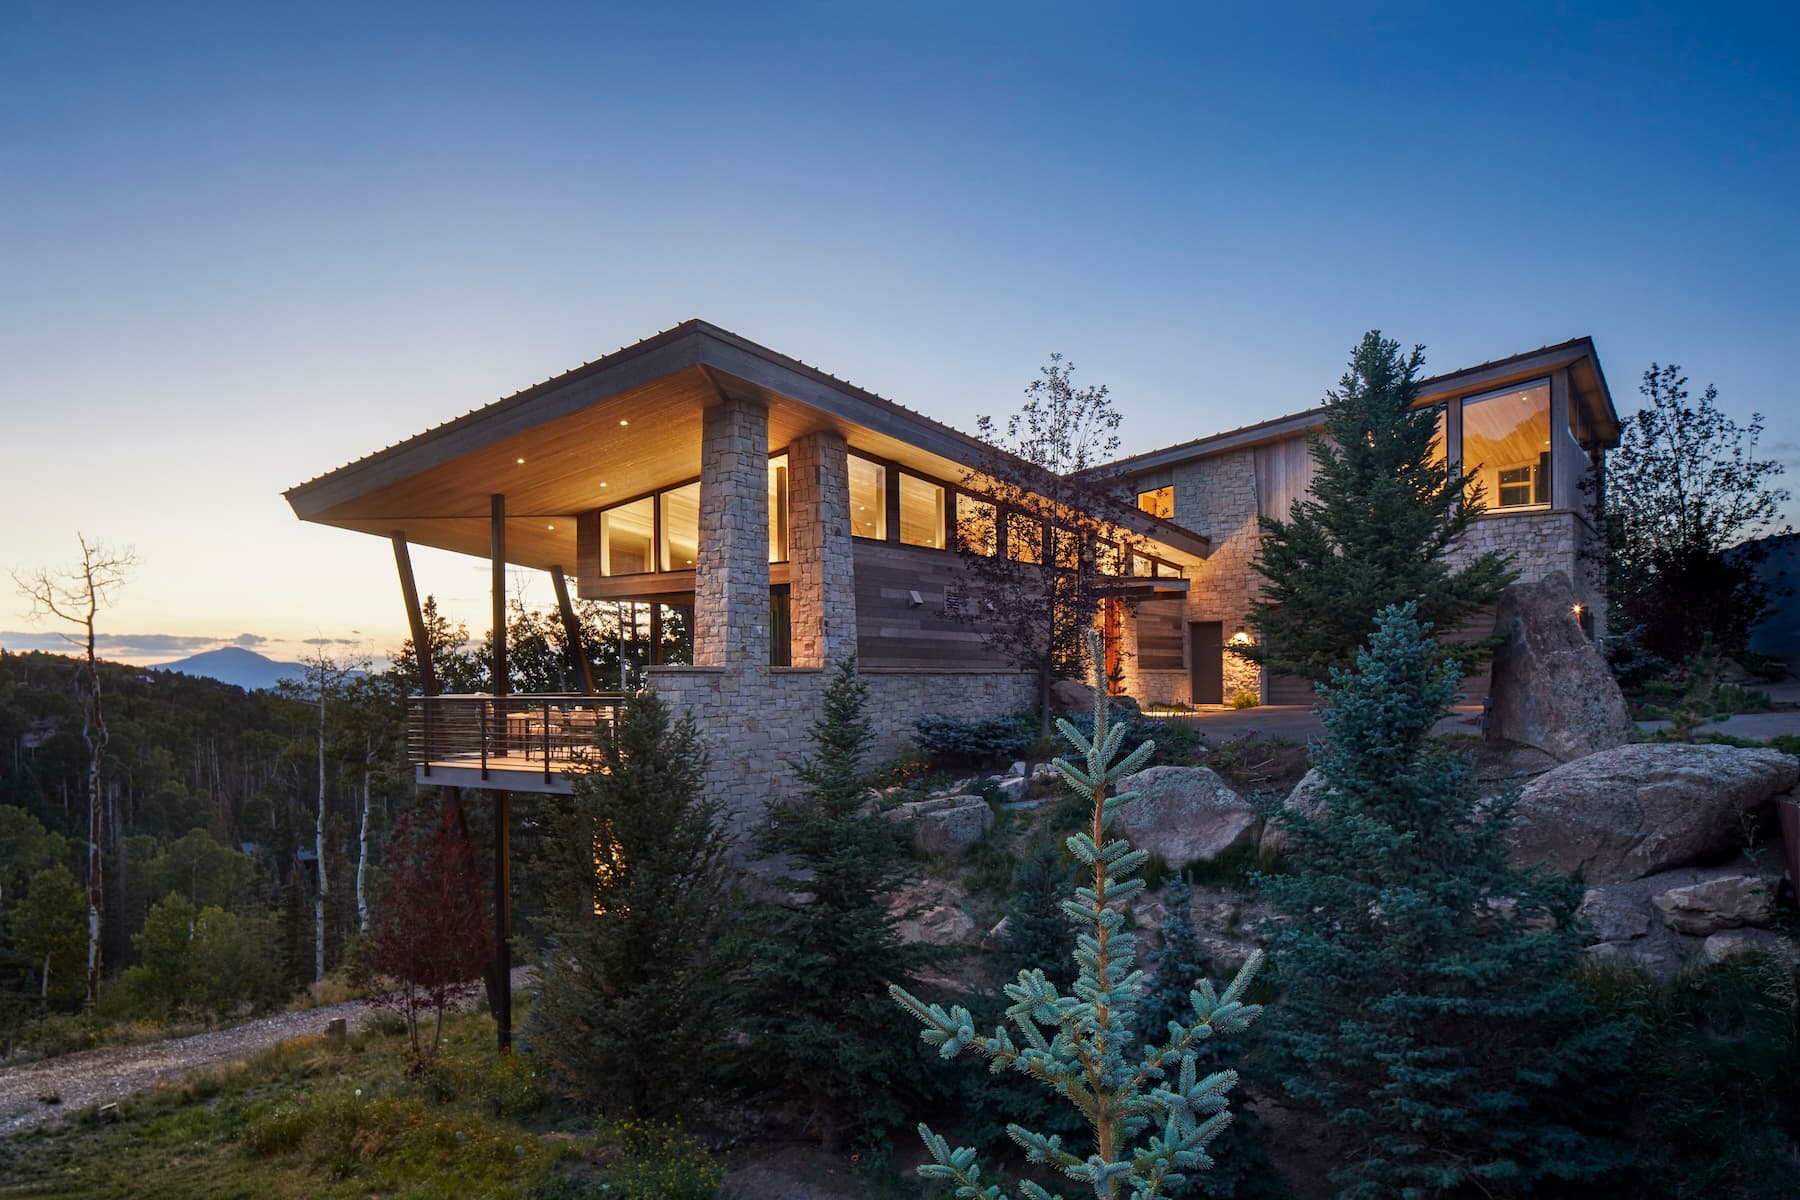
[1576, 610]
[1241, 637]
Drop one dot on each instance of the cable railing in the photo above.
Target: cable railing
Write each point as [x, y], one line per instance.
[540, 732]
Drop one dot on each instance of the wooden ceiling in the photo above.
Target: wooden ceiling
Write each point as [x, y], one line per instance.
[625, 426]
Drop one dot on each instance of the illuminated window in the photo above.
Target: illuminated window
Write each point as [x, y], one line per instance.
[1436, 457]
[1506, 444]
[868, 499]
[625, 538]
[1024, 539]
[680, 527]
[778, 508]
[1158, 503]
[1142, 566]
[1108, 558]
[976, 531]
[1066, 548]
[921, 512]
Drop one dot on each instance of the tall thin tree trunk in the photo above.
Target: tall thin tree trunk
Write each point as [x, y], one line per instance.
[93, 732]
[362, 837]
[319, 843]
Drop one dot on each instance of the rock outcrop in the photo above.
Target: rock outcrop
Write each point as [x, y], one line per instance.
[1307, 797]
[1185, 815]
[930, 911]
[1636, 810]
[1727, 902]
[946, 826]
[1551, 686]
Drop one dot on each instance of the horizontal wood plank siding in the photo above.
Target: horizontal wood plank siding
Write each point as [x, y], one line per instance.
[1159, 635]
[891, 631]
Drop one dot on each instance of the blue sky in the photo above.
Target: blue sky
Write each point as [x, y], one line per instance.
[241, 245]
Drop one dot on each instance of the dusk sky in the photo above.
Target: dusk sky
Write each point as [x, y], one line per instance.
[242, 245]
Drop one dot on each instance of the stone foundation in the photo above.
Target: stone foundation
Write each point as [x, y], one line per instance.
[755, 722]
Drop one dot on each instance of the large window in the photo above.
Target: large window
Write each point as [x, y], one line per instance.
[1159, 502]
[626, 534]
[1024, 539]
[975, 528]
[868, 499]
[778, 508]
[921, 512]
[680, 527]
[1506, 444]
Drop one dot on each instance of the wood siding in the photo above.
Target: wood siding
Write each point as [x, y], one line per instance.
[1159, 635]
[891, 631]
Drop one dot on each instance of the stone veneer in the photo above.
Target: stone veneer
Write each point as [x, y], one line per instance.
[731, 588]
[821, 559]
[1217, 496]
[755, 722]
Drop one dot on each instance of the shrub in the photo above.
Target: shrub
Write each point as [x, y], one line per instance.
[980, 741]
[1242, 700]
[659, 1162]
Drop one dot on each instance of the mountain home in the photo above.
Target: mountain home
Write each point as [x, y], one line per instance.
[782, 519]
[1534, 428]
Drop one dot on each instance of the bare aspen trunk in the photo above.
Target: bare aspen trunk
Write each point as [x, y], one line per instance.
[319, 843]
[362, 838]
[93, 731]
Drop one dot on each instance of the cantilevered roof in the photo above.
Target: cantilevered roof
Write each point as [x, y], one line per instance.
[1578, 355]
[618, 427]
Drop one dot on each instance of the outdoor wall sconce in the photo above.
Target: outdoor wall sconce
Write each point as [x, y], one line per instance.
[1241, 637]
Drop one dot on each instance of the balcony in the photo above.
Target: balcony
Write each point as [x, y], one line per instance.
[505, 743]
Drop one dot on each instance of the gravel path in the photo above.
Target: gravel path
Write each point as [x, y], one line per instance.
[93, 1077]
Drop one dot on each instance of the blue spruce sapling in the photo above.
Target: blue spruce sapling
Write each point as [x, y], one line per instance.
[1151, 1110]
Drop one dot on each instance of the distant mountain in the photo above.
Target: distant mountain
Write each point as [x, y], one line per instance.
[235, 665]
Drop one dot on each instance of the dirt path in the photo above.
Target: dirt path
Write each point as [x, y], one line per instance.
[92, 1077]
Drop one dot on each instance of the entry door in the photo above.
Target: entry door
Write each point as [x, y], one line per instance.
[1206, 649]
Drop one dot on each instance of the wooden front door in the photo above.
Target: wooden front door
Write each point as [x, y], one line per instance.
[1206, 661]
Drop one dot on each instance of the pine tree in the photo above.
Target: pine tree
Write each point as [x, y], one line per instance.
[635, 874]
[1038, 931]
[1151, 1112]
[1383, 515]
[1429, 1009]
[1178, 962]
[815, 969]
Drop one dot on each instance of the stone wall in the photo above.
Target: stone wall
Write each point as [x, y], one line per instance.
[731, 590]
[822, 563]
[755, 721]
[1218, 496]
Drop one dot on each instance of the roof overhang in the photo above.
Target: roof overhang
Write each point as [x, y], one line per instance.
[1587, 388]
[619, 427]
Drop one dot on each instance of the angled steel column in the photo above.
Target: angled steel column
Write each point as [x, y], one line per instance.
[572, 630]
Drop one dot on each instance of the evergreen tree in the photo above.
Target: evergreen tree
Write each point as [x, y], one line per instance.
[1178, 962]
[1429, 1006]
[1038, 931]
[635, 876]
[1383, 515]
[815, 969]
[1151, 1112]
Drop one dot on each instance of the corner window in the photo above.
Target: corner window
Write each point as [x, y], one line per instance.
[626, 533]
[680, 527]
[1065, 549]
[976, 528]
[1506, 445]
[921, 512]
[868, 499]
[1108, 558]
[778, 508]
[1159, 502]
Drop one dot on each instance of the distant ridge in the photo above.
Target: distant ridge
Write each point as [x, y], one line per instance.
[237, 666]
[1779, 633]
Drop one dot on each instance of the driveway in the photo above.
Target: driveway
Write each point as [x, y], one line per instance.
[1295, 722]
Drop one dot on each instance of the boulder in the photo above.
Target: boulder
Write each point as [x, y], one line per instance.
[1635, 810]
[1656, 956]
[1727, 902]
[930, 911]
[1071, 697]
[1184, 815]
[1307, 797]
[946, 826]
[1551, 686]
[1722, 945]
[1011, 787]
[1612, 915]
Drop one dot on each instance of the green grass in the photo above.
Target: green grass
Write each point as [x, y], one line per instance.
[313, 1118]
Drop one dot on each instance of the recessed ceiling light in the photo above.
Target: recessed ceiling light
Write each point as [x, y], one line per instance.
[521, 462]
[603, 483]
[551, 527]
[623, 421]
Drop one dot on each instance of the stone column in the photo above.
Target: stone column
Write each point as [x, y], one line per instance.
[821, 560]
[731, 590]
